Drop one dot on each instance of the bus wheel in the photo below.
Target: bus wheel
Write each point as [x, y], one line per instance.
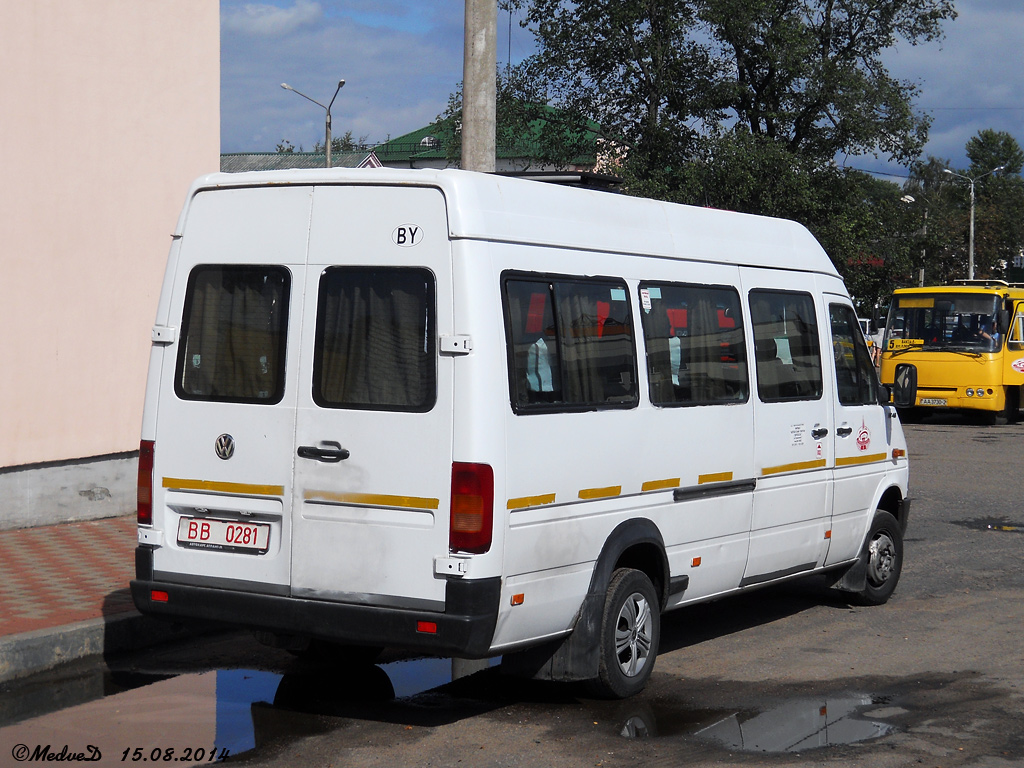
[883, 554]
[1010, 410]
[629, 634]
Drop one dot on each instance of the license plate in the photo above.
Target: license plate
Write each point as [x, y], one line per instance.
[932, 401]
[223, 535]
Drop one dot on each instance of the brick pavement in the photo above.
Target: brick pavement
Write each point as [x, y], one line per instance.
[61, 574]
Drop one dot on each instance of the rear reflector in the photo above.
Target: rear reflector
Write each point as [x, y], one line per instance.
[472, 509]
[426, 626]
[145, 484]
[159, 596]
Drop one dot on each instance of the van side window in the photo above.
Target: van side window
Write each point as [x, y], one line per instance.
[233, 328]
[856, 383]
[375, 332]
[785, 346]
[570, 343]
[695, 348]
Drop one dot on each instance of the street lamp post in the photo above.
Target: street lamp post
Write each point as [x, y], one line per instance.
[970, 240]
[327, 140]
[924, 233]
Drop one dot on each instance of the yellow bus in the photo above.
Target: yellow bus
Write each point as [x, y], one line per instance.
[958, 346]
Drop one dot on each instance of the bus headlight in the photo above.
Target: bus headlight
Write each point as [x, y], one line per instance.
[970, 392]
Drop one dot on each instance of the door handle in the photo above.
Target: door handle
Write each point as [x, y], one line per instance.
[844, 431]
[331, 455]
[819, 433]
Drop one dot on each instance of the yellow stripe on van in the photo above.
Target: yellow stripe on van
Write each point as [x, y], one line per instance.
[530, 501]
[178, 484]
[714, 477]
[870, 458]
[660, 485]
[794, 467]
[600, 493]
[373, 499]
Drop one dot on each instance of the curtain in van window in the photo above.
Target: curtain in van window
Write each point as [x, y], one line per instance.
[233, 334]
[695, 345]
[375, 340]
[596, 343]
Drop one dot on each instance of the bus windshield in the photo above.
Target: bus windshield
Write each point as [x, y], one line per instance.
[943, 321]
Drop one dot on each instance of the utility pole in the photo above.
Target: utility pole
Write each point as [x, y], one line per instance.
[479, 86]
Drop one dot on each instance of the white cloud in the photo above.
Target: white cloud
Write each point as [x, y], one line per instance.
[265, 20]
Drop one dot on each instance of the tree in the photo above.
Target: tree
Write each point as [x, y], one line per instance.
[345, 143]
[633, 67]
[809, 73]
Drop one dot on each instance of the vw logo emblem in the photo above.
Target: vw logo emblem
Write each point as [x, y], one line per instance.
[225, 446]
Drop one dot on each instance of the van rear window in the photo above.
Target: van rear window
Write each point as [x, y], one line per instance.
[233, 334]
[375, 334]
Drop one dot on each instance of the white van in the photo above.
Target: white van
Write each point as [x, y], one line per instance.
[481, 416]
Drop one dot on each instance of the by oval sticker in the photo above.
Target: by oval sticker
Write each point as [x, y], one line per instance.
[407, 235]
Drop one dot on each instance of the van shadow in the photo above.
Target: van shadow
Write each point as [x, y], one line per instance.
[708, 621]
[125, 629]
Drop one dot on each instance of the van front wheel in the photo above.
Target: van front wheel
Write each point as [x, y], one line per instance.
[883, 554]
[629, 634]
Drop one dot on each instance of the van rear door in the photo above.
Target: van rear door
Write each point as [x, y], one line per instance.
[373, 436]
[225, 414]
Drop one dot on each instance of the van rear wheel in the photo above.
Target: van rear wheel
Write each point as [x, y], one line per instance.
[629, 634]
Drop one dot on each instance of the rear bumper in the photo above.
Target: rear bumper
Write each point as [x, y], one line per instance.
[465, 629]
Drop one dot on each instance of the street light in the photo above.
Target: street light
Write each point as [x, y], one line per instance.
[327, 141]
[910, 199]
[970, 242]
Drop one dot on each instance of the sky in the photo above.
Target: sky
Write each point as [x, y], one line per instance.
[402, 58]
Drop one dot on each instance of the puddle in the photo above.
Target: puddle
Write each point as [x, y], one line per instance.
[998, 524]
[792, 726]
[222, 712]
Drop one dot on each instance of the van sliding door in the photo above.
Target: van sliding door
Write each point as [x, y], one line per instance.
[792, 441]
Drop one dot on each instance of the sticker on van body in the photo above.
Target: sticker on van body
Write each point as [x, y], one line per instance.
[1018, 365]
[407, 235]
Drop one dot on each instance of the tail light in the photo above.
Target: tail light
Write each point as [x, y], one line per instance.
[472, 512]
[145, 487]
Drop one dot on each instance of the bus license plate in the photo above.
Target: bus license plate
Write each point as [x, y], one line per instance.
[224, 535]
[932, 401]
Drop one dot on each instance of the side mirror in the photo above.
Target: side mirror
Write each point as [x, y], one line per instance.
[1004, 321]
[904, 391]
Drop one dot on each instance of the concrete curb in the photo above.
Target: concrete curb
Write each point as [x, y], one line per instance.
[31, 652]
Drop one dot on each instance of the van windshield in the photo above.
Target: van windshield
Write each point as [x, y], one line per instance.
[943, 321]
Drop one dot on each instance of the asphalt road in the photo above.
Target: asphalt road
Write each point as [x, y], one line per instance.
[791, 676]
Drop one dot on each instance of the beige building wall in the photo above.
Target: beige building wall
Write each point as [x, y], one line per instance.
[110, 109]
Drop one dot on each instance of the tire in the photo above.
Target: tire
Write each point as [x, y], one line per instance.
[629, 635]
[883, 555]
[910, 415]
